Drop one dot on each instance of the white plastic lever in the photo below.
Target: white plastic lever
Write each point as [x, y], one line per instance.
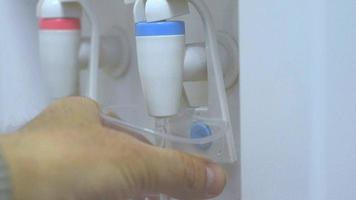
[157, 10]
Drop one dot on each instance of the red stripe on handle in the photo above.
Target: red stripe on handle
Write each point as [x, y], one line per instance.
[60, 24]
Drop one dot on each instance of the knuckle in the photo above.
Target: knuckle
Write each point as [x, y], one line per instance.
[194, 173]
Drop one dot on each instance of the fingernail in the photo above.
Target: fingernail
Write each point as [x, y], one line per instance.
[216, 180]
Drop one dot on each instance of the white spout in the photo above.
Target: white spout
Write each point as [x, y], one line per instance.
[160, 53]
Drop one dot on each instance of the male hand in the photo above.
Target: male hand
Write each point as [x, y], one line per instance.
[67, 154]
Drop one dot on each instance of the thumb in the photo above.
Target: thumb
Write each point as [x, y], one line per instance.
[184, 176]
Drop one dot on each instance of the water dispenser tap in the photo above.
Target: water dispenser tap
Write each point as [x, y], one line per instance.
[63, 50]
[59, 42]
[160, 54]
[163, 59]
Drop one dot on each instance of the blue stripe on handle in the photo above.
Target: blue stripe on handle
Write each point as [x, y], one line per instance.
[160, 28]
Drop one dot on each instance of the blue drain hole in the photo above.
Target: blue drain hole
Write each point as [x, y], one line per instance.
[201, 130]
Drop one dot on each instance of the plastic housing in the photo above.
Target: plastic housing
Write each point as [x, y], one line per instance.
[59, 61]
[161, 72]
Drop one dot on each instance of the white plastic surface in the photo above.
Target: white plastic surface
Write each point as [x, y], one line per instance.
[196, 66]
[197, 93]
[160, 61]
[195, 63]
[157, 10]
[115, 53]
[196, 75]
[56, 9]
[59, 61]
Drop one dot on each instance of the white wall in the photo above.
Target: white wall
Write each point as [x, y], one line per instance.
[22, 95]
[340, 99]
[298, 99]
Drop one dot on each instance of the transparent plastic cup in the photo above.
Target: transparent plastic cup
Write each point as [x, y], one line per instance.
[190, 131]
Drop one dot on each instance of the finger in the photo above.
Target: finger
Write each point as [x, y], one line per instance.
[183, 176]
[65, 113]
[147, 197]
